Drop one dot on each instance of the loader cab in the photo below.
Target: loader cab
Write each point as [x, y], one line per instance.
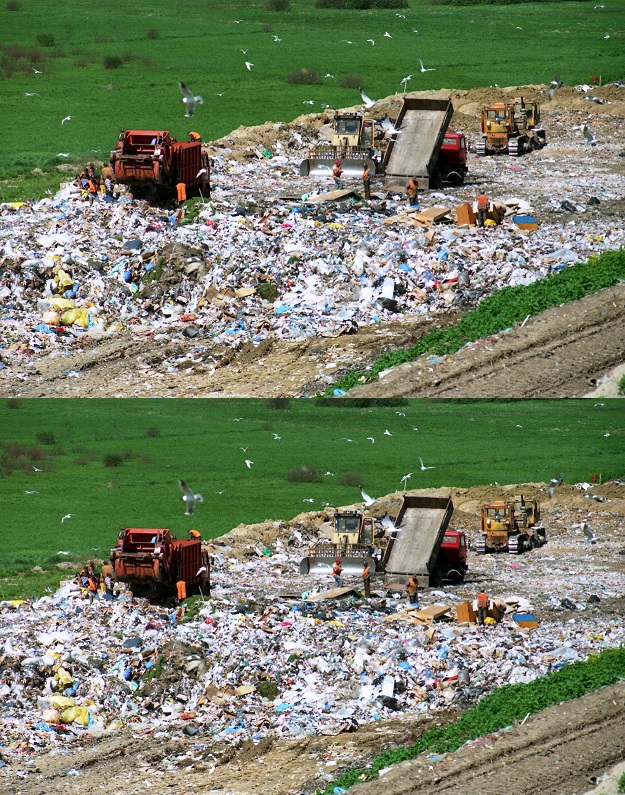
[351, 527]
[497, 118]
[351, 129]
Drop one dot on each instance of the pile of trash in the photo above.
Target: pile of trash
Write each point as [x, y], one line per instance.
[261, 260]
[272, 653]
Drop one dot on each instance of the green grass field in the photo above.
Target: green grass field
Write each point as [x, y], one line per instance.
[201, 45]
[199, 441]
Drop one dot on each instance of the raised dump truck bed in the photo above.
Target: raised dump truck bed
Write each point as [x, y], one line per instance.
[422, 522]
[414, 151]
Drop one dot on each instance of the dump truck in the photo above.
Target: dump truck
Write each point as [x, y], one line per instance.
[511, 526]
[355, 140]
[153, 560]
[355, 537]
[152, 163]
[423, 546]
[512, 128]
[415, 151]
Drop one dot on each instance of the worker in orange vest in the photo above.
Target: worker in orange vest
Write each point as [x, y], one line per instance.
[483, 206]
[366, 180]
[195, 534]
[366, 578]
[94, 584]
[412, 589]
[336, 174]
[193, 136]
[337, 570]
[181, 192]
[93, 187]
[412, 191]
[483, 603]
[181, 590]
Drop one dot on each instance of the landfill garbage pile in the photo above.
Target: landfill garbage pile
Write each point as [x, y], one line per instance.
[259, 262]
[258, 660]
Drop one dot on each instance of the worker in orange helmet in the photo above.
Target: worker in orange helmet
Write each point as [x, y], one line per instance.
[337, 570]
[483, 206]
[195, 535]
[336, 174]
[483, 603]
[194, 136]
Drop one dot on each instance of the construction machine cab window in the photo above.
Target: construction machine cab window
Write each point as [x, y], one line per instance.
[347, 524]
[347, 126]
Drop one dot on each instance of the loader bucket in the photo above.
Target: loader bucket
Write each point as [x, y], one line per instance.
[312, 167]
[319, 565]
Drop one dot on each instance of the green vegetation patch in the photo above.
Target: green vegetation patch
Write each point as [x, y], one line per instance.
[501, 311]
[500, 709]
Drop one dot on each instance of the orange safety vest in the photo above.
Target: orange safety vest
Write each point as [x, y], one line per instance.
[93, 185]
[195, 534]
[365, 173]
[181, 589]
[413, 585]
[366, 572]
[413, 187]
[181, 190]
[195, 136]
[482, 202]
[482, 600]
[93, 583]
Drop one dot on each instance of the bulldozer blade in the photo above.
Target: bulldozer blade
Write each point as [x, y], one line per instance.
[312, 167]
[351, 566]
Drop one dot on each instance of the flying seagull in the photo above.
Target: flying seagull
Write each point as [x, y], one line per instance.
[400, 413]
[371, 439]
[369, 501]
[308, 499]
[67, 118]
[590, 137]
[345, 439]
[389, 129]
[248, 463]
[372, 42]
[590, 536]
[387, 433]
[369, 103]
[277, 38]
[388, 35]
[67, 516]
[189, 497]
[31, 94]
[35, 468]
[36, 71]
[32, 492]
[592, 98]
[249, 66]
[557, 83]
[595, 497]
[190, 100]
[63, 154]
[388, 524]
[423, 466]
[62, 552]
[245, 52]
[555, 482]
[200, 172]
[423, 69]
[405, 479]
[345, 41]
[277, 438]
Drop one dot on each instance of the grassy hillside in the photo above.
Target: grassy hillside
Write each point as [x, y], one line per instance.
[160, 43]
[159, 441]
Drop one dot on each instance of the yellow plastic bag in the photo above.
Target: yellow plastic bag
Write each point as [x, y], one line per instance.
[75, 715]
[75, 317]
[64, 678]
[62, 303]
[63, 280]
[63, 702]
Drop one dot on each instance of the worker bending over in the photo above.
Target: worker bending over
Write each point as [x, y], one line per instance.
[483, 206]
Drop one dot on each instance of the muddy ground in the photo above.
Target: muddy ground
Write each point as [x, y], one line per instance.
[565, 352]
[563, 750]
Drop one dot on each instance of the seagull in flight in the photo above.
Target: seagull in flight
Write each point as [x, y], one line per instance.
[245, 52]
[277, 438]
[63, 154]
[593, 141]
[401, 16]
[369, 103]
[31, 94]
[387, 433]
[62, 552]
[369, 501]
[249, 66]
[309, 499]
[277, 38]
[388, 35]
[67, 118]
[345, 439]
[372, 42]
[400, 413]
[555, 482]
[32, 492]
[371, 439]
[189, 99]
[406, 478]
[329, 75]
[555, 84]
[346, 41]
[329, 474]
[388, 524]
[245, 449]
[423, 466]
[189, 497]
[598, 404]
[389, 128]
[36, 71]
[590, 536]
[423, 69]
[248, 463]
[67, 516]
[35, 468]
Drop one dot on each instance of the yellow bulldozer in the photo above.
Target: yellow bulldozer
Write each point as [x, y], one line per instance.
[511, 526]
[512, 127]
[355, 537]
[355, 140]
